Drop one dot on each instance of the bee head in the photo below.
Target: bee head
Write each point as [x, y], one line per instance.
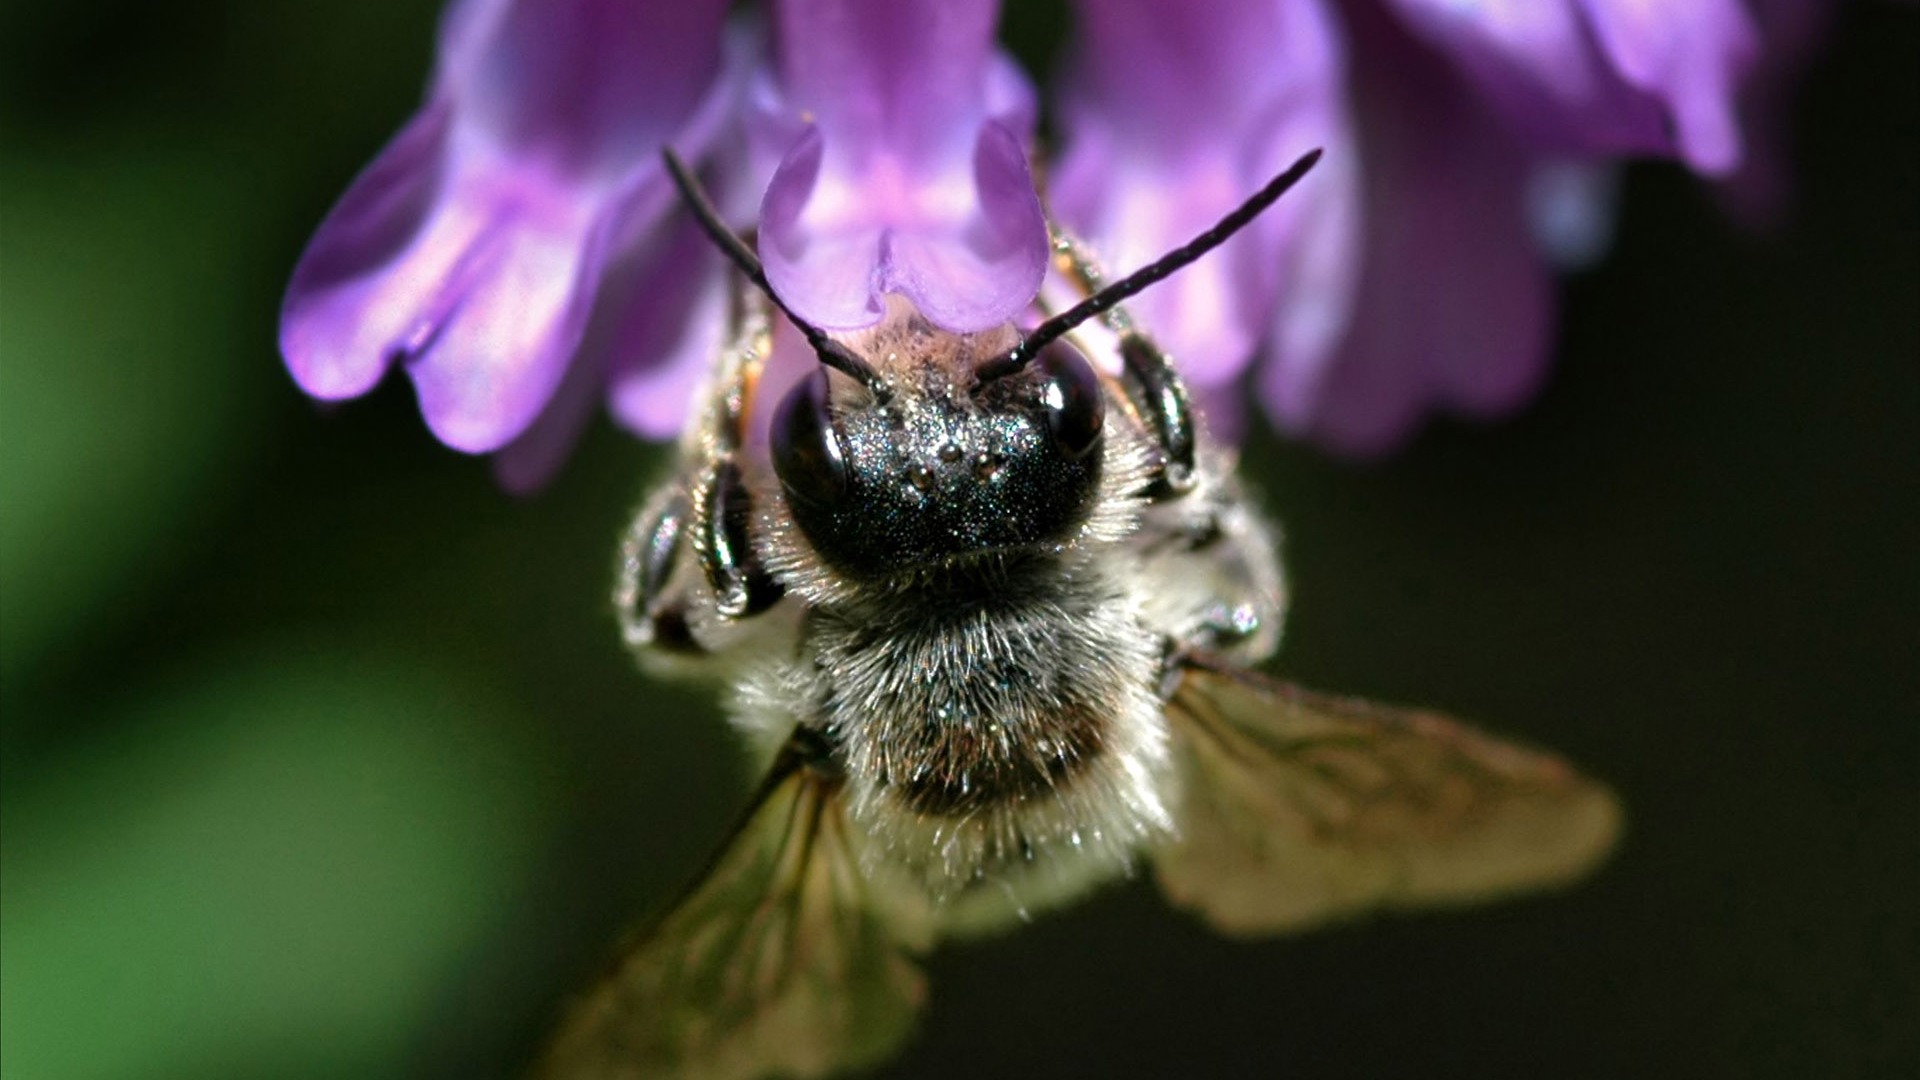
[927, 467]
[922, 468]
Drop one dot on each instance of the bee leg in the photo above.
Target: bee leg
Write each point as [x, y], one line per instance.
[652, 613]
[741, 584]
[720, 505]
[701, 516]
[1155, 390]
[1160, 395]
[1228, 596]
[1223, 629]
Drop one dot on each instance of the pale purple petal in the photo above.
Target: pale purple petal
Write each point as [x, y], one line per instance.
[900, 138]
[653, 334]
[344, 320]
[657, 400]
[505, 323]
[974, 270]
[666, 336]
[1168, 123]
[887, 78]
[1320, 292]
[1536, 60]
[1455, 307]
[534, 457]
[1690, 54]
[821, 255]
[472, 249]
[1603, 76]
[595, 87]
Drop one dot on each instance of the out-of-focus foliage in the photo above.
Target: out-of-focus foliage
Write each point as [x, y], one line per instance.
[121, 419]
[271, 857]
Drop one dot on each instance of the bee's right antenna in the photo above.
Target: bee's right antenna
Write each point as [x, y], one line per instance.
[1045, 334]
[831, 353]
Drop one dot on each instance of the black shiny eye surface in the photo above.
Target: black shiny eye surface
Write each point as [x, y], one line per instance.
[1076, 411]
[806, 449]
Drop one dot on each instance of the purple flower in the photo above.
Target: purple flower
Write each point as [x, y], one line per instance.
[901, 139]
[1604, 76]
[1404, 275]
[1169, 123]
[473, 250]
[1452, 307]
[517, 248]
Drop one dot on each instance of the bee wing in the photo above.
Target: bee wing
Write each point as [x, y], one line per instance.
[777, 961]
[1299, 808]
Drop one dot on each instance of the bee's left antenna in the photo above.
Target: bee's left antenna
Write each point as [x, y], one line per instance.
[1047, 332]
[831, 353]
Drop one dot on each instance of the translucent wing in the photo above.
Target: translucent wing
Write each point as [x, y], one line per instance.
[1299, 808]
[778, 962]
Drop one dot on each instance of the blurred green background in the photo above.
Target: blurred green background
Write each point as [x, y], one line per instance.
[321, 758]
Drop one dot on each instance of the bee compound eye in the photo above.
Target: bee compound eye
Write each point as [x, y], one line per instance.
[1076, 410]
[806, 448]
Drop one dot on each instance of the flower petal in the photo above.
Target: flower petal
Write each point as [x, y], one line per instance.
[1138, 175]
[342, 317]
[823, 265]
[1603, 76]
[912, 80]
[473, 247]
[593, 87]
[1454, 308]
[531, 460]
[666, 336]
[1537, 61]
[899, 135]
[1693, 56]
[513, 314]
[972, 272]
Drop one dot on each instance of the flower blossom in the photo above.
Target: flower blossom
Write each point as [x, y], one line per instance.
[518, 252]
[1409, 278]
[901, 136]
[473, 250]
[1168, 124]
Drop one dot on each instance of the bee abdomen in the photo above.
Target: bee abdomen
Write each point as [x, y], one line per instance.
[971, 766]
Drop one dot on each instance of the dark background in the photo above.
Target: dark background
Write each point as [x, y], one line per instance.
[321, 757]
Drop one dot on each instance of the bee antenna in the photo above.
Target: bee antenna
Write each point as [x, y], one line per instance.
[1047, 332]
[831, 353]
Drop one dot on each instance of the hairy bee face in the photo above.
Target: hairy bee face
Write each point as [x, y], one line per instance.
[940, 466]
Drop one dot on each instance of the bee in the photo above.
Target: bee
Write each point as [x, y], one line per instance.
[992, 614]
